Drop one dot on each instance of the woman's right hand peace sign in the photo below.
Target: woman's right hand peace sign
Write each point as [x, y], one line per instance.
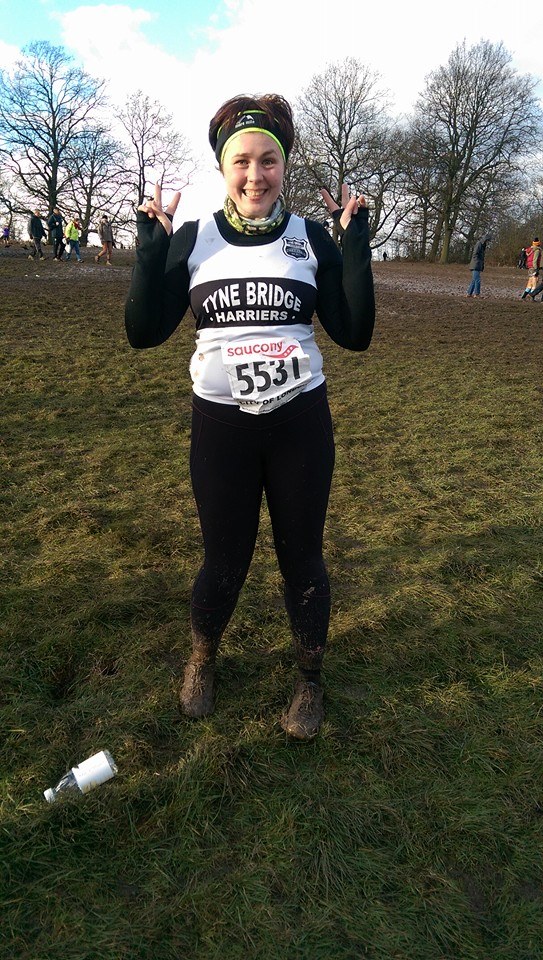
[153, 208]
[349, 205]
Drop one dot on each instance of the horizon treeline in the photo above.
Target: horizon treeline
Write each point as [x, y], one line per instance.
[459, 165]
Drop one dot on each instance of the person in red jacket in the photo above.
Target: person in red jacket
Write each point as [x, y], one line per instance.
[533, 264]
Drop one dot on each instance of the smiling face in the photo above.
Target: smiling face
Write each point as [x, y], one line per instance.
[253, 169]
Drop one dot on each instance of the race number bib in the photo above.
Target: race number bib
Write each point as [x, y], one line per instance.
[265, 373]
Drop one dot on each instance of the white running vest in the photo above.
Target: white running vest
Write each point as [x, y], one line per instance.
[252, 302]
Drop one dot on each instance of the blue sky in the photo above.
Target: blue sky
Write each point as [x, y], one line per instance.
[191, 55]
[174, 26]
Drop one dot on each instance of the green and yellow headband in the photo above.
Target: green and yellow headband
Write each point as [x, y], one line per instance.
[250, 121]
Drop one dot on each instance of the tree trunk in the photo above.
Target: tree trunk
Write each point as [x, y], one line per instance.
[437, 238]
[444, 258]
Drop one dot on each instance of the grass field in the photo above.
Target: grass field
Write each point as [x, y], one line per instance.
[412, 829]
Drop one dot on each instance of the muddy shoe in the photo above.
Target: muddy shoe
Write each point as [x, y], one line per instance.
[196, 694]
[305, 715]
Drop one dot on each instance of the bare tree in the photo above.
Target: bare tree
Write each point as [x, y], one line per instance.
[300, 188]
[7, 202]
[386, 176]
[519, 224]
[158, 152]
[44, 106]
[422, 184]
[477, 118]
[485, 207]
[342, 126]
[98, 180]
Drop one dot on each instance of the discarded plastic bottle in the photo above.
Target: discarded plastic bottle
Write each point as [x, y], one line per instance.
[87, 775]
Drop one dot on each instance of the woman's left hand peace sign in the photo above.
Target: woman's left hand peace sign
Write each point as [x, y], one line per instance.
[153, 208]
[350, 205]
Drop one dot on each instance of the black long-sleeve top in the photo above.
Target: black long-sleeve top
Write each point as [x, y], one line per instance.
[159, 293]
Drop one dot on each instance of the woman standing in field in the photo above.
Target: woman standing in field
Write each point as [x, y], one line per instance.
[254, 275]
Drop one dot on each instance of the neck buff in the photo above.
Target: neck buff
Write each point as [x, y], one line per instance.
[250, 121]
[245, 225]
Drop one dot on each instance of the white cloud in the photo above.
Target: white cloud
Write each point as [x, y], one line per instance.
[8, 55]
[109, 41]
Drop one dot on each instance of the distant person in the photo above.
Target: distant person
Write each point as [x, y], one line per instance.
[5, 235]
[533, 264]
[538, 288]
[72, 234]
[521, 262]
[385, 255]
[536, 291]
[105, 232]
[56, 229]
[477, 265]
[36, 232]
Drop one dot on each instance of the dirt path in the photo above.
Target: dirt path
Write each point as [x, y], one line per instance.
[498, 283]
[451, 280]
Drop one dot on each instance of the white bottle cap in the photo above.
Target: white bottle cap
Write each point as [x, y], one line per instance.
[94, 771]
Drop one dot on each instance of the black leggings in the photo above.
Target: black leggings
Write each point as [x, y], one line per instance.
[235, 457]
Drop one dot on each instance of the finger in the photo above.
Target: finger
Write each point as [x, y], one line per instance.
[350, 210]
[158, 195]
[329, 201]
[344, 195]
[362, 200]
[173, 204]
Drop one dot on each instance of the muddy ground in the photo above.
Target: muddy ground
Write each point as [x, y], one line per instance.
[430, 292]
[499, 283]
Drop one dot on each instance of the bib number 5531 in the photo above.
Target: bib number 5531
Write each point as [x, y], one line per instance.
[257, 378]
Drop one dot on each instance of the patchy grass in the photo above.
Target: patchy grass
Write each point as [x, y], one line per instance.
[412, 828]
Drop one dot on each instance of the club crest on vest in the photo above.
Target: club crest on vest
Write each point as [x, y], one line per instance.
[297, 249]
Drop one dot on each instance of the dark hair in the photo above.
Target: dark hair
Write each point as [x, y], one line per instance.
[276, 108]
